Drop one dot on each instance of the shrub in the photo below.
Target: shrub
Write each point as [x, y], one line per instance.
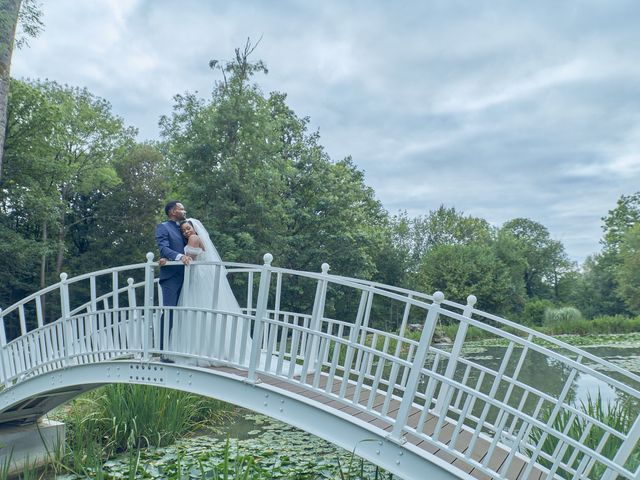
[534, 310]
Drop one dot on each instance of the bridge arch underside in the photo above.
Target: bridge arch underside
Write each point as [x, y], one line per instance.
[34, 397]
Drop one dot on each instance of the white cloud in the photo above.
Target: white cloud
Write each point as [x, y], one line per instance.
[502, 110]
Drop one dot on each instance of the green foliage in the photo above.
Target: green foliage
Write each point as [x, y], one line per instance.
[540, 261]
[614, 324]
[555, 316]
[619, 220]
[273, 450]
[617, 415]
[72, 172]
[628, 272]
[534, 311]
[128, 417]
[444, 226]
[473, 333]
[599, 290]
[463, 270]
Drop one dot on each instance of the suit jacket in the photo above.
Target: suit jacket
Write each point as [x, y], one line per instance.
[171, 243]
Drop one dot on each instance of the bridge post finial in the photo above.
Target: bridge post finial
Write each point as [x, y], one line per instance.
[471, 300]
[149, 257]
[325, 268]
[267, 258]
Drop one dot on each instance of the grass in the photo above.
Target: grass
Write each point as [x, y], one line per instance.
[618, 415]
[120, 417]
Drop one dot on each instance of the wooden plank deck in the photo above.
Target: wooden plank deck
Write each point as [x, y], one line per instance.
[516, 469]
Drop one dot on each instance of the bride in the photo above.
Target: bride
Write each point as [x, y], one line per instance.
[223, 337]
[218, 336]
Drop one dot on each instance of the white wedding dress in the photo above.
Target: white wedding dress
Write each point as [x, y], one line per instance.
[207, 338]
[210, 338]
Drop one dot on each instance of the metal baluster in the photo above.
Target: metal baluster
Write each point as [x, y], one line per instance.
[132, 318]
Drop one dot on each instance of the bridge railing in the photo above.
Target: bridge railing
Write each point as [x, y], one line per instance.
[524, 402]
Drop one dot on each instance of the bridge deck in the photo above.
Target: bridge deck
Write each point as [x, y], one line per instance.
[481, 448]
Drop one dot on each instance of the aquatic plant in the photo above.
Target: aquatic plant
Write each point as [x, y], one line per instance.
[556, 316]
[617, 415]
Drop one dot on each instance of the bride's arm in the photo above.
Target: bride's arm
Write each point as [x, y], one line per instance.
[195, 242]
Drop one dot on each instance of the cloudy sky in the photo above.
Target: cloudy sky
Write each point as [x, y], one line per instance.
[501, 109]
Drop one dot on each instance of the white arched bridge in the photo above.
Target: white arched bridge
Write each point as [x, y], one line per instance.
[308, 349]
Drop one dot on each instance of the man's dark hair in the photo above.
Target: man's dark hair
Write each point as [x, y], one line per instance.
[170, 206]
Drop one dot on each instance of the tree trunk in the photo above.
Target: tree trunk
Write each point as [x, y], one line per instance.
[43, 271]
[9, 10]
[43, 260]
[61, 234]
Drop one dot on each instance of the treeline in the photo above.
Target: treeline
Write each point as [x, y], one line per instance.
[79, 194]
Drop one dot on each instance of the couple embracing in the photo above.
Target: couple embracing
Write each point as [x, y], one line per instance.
[205, 338]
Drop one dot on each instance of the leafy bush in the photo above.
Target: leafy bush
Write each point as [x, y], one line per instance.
[534, 311]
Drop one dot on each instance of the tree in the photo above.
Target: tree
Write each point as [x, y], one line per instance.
[28, 197]
[602, 293]
[539, 260]
[249, 169]
[461, 270]
[61, 144]
[625, 215]
[11, 14]
[443, 226]
[120, 230]
[628, 274]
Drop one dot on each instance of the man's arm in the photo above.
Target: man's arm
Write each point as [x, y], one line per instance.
[162, 239]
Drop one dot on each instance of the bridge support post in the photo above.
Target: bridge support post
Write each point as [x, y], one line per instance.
[416, 369]
[28, 445]
[4, 360]
[311, 360]
[261, 311]
[446, 391]
[66, 325]
[147, 322]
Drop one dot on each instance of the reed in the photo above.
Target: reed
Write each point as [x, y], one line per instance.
[617, 415]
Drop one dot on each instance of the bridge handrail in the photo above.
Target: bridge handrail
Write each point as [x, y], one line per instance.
[390, 292]
[322, 339]
[564, 359]
[383, 290]
[534, 421]
[516, 326]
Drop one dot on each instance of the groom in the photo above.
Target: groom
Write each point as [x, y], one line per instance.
[171, 244]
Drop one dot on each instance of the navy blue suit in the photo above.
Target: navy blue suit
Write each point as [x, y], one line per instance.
[171, 243]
